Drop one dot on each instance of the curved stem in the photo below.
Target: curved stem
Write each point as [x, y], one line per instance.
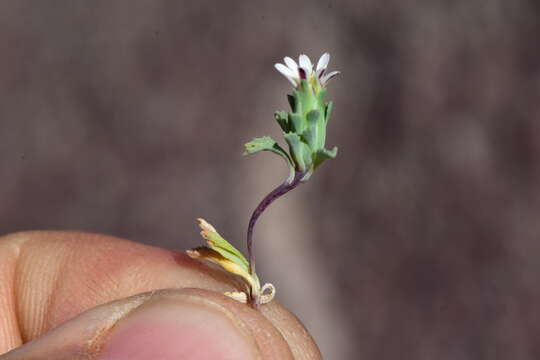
[279, 191]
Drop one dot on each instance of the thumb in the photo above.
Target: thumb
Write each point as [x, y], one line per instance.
[166, 324]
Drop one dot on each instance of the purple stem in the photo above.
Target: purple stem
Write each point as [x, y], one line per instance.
[268, 199]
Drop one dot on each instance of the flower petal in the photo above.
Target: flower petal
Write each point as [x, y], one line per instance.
[328, 76]
[288, 73]
[291, 64]
[284, 70]
[323, 62]
[305, 63]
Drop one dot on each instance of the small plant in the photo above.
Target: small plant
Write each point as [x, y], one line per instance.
[304, 130]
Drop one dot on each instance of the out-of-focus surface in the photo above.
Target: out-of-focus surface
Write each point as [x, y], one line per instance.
[420, 241]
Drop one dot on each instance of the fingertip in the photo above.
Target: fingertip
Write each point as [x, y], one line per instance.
[175, 326]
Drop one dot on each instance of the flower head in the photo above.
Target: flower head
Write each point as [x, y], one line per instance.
[304, 126]
[303, 70]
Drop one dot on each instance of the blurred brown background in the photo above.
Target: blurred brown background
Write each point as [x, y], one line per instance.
[420, 241]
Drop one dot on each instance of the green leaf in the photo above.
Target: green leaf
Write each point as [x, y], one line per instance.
[313, 117]
[219, 251]
[282, 118]
[328, 112]
[300, 151]
[321, 95]
[266, 143]
[223, 247]
[209, 254]
[321, 155]
[306, 99]
[315, 130]
[309, 136]
[296, 121]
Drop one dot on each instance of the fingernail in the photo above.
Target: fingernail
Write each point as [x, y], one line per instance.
[180, 328]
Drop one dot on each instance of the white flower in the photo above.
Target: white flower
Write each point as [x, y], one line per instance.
[295, 73]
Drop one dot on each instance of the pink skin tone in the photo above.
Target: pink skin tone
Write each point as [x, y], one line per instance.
[177, 332]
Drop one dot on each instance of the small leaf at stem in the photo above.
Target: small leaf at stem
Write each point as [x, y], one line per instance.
[282, 119]
[220, 252]
[266, 143]
[321, 155]
[215, 257]
[217, 243]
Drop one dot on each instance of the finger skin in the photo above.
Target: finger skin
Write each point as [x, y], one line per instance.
[85, 337]
[50, 277]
